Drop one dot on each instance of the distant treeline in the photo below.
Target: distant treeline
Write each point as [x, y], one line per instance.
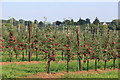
[114, 25]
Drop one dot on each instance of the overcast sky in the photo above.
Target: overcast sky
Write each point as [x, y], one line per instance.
[105, 11]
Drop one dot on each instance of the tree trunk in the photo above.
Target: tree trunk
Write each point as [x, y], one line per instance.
[26, 51]
[68, 59]
[113, 63]
[67, 66]
[36, 55]
[95, 64]
[87, 65]
[79, 64]
[29, 53]
[10, 56]
[105, 66]
[16, 56]
[23, 56]
[48, 67]
[78, 46]
[62, 55]
[29, 56]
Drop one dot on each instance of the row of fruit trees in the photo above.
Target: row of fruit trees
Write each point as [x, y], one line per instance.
[85, 45]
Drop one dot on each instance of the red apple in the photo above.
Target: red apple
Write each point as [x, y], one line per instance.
[69, 49]
[50, 39]
[66, 45]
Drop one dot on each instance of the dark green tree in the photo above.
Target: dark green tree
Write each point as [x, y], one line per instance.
[29, 22]
[88, 21]
[58, 23]
[41, 24]
[21, 21]
[96, 21]
[116, 24]
[72, 22]
[26, 23]
[35, 21]
[81, 22]
[67, 22]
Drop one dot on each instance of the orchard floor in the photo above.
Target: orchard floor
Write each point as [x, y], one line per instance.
[61, 74]
[31, 62]
[23, 62]
[37, 69]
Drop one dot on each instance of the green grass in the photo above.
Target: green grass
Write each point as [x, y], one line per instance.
[110, 74]
[23, 70]
[16, 71]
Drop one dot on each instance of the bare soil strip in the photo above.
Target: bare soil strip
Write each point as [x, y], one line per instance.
[34, 62]
[31, 62]
[23, 62]
[59, 74]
